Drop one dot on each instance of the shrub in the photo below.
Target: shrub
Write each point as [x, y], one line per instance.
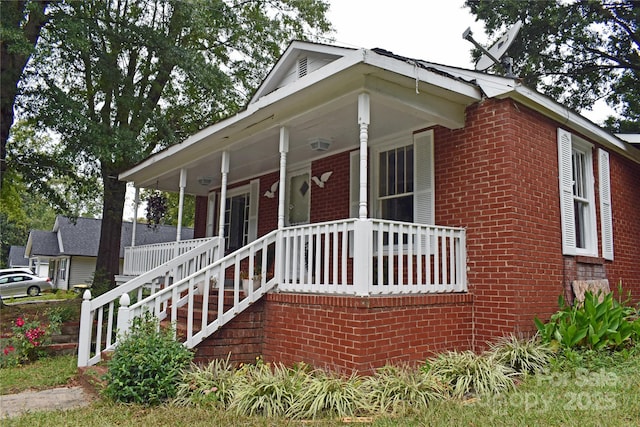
[147, 364]
[525, 356]
[467, 373]
[209, 385]
[402, 389]
[593, 324]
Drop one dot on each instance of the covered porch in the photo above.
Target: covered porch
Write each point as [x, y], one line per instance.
[322, 186]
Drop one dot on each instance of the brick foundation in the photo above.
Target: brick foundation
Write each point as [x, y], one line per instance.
[351, 334]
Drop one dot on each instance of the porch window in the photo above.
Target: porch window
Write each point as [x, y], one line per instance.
[403, 177]
[395, 186]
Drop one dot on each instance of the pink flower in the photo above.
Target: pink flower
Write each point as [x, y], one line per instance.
[19, 322]
[8, 350]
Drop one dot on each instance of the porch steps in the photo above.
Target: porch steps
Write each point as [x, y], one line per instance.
[212, 312]
[240, 340]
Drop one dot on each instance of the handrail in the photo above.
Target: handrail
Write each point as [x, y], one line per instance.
[95, 310]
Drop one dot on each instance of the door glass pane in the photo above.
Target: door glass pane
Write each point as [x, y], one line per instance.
[299, 197]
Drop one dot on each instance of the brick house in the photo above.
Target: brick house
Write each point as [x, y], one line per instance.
[424, 208]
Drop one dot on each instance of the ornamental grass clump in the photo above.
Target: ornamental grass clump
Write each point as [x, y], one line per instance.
[524, 356]
[327, 394]
[208, 385]
[147, 364]
[468, 374]
[265, 389]
[400, 390]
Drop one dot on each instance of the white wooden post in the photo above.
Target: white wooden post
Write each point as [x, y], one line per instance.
[224, 170]
[183, 184]
[279, 255]
[123, 315]
[362, 256]
[363, 122]
[86, 326]
[284, 149]
[136, 202]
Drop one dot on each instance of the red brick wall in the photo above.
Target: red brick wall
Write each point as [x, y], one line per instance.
[497, 177]
[241, 339]
[332, 201]
[360, 334]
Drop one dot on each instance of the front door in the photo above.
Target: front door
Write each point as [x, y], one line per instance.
[299, 197]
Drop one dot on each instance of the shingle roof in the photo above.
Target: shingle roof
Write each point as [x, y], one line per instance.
[16, 257]
[82, 237]
[44, 243]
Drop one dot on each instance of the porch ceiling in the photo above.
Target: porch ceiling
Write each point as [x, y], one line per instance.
[326, 109]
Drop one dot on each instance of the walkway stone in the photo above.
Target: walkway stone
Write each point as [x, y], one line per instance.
[63, 398]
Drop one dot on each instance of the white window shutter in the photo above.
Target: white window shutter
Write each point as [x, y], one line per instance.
[423, 199]
[254, 199]
[606, 219]
[354, 184]
[567, 219]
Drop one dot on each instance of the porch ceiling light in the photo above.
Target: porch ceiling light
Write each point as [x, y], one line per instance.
[205, 180]
[319, 144]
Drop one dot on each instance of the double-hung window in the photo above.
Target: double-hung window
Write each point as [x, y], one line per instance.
[402, 180]
[577, 198]
[395, 183]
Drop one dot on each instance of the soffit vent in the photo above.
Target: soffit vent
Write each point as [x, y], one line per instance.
[302, 67]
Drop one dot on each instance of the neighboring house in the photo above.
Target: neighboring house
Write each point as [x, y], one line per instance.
[71, 248]
[412, 208]
[18, 259]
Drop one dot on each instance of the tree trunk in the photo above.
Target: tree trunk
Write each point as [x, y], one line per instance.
[13, 59]
[108, 262]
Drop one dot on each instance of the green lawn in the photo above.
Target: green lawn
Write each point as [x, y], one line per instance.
[585, 389]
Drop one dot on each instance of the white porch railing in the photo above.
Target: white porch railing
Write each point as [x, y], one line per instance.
[353, 257]
[140, 259]
[373, 257]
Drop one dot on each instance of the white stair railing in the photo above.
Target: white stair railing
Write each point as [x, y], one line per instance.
[99, 315]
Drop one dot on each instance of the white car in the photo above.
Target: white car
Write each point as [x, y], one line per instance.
[23, 284]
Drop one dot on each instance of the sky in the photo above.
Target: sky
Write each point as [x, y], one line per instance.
[424, 29]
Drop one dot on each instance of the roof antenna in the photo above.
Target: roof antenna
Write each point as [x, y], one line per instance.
[494, 56]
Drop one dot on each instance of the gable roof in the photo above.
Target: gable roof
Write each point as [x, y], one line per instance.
[82, 237]
[16, 257]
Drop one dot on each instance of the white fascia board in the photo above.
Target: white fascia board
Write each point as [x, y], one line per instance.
[491, 85]
[412, 70]
[572, 120]
[633, 138]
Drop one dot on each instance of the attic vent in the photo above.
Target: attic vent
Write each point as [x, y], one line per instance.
[302, 67]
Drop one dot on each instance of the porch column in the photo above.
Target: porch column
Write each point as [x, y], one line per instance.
[224, 169]
[183, 184]
[363, 122]
[136, 202]
[284, 149]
